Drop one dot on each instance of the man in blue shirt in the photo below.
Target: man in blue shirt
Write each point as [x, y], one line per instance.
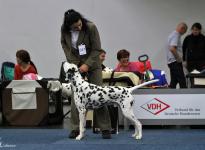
[174, 60]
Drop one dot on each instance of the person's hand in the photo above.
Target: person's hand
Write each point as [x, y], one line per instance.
[179, 59]
[84, 68]
[184, 63]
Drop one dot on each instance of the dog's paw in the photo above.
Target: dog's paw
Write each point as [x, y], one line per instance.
[134, 135]
[79, 137]
[138, 137]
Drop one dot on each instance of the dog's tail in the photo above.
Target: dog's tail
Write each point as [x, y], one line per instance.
[143, 84]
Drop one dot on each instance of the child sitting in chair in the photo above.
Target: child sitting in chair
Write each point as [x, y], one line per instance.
[25, 68]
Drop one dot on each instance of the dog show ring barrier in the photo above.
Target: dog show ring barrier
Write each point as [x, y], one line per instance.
[170, 106]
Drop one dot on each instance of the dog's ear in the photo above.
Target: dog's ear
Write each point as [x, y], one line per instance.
[70, 73]
[66, 66]
[71, 70]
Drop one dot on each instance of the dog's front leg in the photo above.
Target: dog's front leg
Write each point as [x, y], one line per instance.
[82, 118]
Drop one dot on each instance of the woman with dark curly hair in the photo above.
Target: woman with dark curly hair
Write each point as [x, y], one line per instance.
[80, 41]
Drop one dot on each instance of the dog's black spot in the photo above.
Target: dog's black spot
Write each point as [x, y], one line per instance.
[94, 92]
[91, 87]
[114, 96]
[111, 91]
[88, 94]
[109, 95]
[83, 95]
[81, 90]
[81, 100]
[104, 92]
[124, 91]
[131, 103]
[118, 88]
[74, 83]
[95, 103]
[100, 94]
[101, 100]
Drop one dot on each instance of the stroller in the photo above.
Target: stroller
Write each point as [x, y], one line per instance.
[7, 74]
[151, 74]
[7, 71]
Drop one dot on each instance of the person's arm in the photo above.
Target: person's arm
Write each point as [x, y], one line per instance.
[117, 69]
[16, 73]
[66, 48]
[184, 49]
[173, 49]
[33, 69]
[95, 45]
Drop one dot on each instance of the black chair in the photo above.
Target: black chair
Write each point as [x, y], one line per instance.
[66, 101]
[192, 77]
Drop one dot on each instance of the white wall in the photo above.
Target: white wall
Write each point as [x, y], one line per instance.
[140, 26]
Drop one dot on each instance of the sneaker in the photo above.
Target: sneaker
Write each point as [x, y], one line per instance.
[73, 134]
[106, 134]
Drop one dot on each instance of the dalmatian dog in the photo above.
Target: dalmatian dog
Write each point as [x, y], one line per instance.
[90, 96]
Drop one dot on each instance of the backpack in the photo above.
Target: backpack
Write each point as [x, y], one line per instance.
[160, 75]
[7, 71]
[141, 66]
